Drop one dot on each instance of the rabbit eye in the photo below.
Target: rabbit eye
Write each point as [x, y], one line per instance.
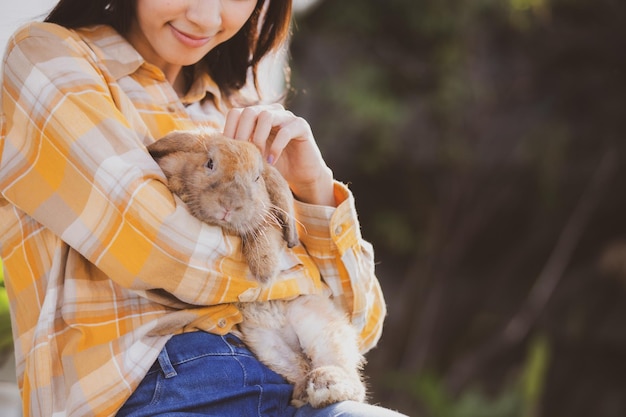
[209, 164]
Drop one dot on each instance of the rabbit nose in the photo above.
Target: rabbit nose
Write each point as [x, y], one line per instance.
[230, 204]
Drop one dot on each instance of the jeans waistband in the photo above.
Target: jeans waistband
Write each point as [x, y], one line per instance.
[188, 346]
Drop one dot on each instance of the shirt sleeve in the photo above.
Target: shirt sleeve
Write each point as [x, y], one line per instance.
[70, 159]
[332, 237]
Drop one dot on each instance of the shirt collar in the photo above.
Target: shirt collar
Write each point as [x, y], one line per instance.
[119, 56]
[204, 86]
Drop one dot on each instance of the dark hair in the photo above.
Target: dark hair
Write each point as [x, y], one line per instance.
[228, 63]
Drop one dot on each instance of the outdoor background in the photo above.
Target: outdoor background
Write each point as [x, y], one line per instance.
[483, 142]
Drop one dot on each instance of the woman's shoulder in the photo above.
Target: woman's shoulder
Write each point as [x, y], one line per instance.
[49, 34]
[99, 46]
[35, 42]
[41, 30]
[40, 40]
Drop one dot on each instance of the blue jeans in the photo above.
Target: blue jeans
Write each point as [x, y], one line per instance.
[201, 374]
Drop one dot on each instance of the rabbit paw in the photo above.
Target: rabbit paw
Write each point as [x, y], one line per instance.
[330, 384]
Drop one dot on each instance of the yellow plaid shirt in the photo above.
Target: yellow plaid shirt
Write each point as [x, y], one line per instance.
[102, 263]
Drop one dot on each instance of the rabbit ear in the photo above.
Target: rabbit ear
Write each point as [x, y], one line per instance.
[178, 141]
[281, 197]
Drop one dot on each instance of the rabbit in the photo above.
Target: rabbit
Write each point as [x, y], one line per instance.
[308, 340]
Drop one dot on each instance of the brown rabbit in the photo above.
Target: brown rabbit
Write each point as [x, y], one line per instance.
[227, 183]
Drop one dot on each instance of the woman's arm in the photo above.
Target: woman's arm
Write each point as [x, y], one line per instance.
[325, 209]
[333, 239]
[71, 160]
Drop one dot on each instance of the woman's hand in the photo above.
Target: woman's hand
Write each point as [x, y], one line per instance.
[287, 142]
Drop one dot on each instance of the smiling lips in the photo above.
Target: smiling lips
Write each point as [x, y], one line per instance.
[190, 40]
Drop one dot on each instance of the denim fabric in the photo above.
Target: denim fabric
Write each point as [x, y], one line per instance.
[201, 374]
[347, 409]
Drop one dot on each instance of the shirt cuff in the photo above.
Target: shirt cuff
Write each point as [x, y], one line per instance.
[324, 229]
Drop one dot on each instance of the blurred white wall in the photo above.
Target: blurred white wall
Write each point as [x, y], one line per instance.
[15, 13]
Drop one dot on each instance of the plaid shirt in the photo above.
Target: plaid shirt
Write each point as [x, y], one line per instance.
[102, 263]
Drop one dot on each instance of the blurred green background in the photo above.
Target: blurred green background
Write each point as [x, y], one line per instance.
[6, 338]
[483, 140]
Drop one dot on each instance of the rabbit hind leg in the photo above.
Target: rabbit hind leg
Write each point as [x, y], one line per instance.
[280, 351]
[330, 343]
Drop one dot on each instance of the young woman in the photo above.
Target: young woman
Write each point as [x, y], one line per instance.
[121, 301]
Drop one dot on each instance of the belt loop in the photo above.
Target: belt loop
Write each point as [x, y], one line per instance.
[166, 365]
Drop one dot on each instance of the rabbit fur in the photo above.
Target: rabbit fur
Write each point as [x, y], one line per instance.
[227, 183]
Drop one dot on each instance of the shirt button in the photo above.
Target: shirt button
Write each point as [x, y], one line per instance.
[171, 109]
[338, 230]
[221, 323]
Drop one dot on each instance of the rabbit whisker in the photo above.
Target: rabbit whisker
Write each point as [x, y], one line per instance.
[288, 215]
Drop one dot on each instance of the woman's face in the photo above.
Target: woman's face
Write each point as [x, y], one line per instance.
[175, 33]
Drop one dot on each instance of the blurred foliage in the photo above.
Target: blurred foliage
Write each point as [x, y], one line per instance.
[519, 398]
[483, 142]
[6, 338]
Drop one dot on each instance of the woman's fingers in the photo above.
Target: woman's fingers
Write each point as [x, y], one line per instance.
[287, 142]
[295, 128]
[232, 120]
[241, 123]
[259, 124]
[263, 129]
